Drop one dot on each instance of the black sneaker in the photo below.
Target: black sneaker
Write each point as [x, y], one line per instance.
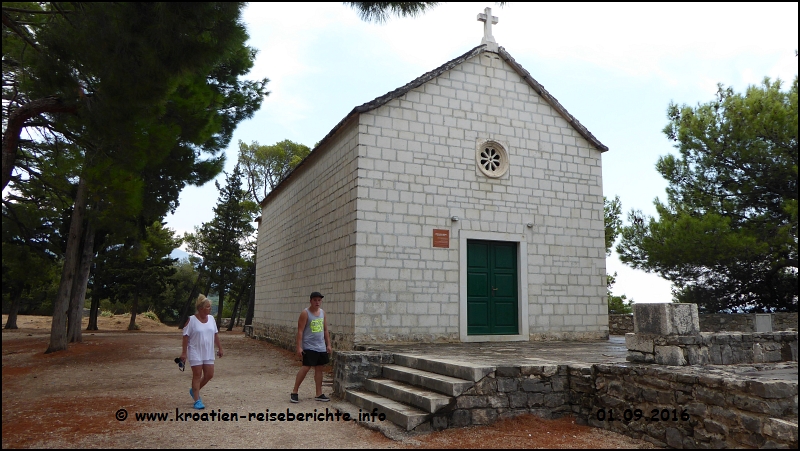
[322, 398]
[293, 398]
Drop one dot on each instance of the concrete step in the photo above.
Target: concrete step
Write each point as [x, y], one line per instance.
[446, 367]
[408, 394]
[450, 386]
[398, 413]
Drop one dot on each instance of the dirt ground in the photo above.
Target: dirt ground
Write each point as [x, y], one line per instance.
[75, 399]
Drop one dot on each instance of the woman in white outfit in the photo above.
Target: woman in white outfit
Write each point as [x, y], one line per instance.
[200, 335]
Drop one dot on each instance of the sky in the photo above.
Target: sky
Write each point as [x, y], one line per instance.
[615, 67]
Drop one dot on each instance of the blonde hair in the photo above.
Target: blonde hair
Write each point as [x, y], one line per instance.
[202, 300]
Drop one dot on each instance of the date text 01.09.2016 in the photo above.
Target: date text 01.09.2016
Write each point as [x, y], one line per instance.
[639, 415]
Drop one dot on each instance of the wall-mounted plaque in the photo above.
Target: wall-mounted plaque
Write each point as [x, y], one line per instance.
[441, 238]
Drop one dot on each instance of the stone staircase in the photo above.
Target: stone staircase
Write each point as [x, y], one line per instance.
[411, 390]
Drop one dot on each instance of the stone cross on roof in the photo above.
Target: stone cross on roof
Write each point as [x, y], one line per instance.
[488, 19]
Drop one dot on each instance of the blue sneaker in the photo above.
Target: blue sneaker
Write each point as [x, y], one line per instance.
[199, 405]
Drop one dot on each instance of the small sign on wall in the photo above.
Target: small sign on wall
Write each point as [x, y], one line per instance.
[441, 238]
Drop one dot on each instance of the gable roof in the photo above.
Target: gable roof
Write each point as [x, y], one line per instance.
[428, 76]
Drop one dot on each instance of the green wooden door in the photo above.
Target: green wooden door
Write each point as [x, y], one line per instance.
[492, 288]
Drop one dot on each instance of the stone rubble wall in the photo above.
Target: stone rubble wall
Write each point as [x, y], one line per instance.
[721, 411]
[724, 410]
[620, 324]
[712, 348]
[352, 368]
[544, 390]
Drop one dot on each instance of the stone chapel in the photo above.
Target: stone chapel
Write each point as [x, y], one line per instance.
[465, 206]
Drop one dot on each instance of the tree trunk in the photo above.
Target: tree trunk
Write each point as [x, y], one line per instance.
[248, 320]
[134, 308]
[221, 299]
[78, 298]
[58, 329]
[192, 295]
[244, 288]
[16, 297]
[236, 305]
[95, 308]
[16, 121]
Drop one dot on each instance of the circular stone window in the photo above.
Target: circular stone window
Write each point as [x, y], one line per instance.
[492, 159]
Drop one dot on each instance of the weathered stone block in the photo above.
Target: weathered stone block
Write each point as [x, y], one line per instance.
[781, 430]
[532, 385]
[697, 355]
[484, 416]
[666, 319]
[715, 427]
[751, 423]
[471, 402]
[508, 371]
[506, 384]
[674, 438]
[517, 400]
[772, 389]
[639, 357]
[669, 355]
[460, 419]
[558, 383]
[535, 399]
[439, 423]
[710, 396]
[554, 399]
[639, 342]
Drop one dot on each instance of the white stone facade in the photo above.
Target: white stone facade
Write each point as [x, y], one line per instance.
[356, 220]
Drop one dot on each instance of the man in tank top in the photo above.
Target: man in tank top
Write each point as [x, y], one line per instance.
[313, 345]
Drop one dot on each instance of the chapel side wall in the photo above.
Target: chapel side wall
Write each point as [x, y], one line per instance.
[306, 243]
[417, 169]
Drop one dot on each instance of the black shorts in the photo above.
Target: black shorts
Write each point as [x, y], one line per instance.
[314, 358]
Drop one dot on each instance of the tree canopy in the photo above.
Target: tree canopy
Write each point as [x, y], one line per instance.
[141, 98]
[727, 234]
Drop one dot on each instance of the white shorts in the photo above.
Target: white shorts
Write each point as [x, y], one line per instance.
[200, 362]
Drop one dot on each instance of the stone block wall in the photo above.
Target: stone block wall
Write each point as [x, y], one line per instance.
[310, 249]
[712, 348]
[720, 410]
[417, 169]
[621, 324]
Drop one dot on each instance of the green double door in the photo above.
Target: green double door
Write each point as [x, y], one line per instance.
[492, 302]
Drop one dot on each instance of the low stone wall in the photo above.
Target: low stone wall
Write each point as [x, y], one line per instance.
[620, 324]
[688, 407]
[352, 368]
[712, 348]
[784, 321]
[701, 407]
[713, 322]
[543, 390]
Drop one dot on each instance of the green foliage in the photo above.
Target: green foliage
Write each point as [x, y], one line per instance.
[612, 212]
[617, 304]
[142, 267]
[727, 235]
[106, 314]
[266, 166]
[224, 243]
[380, 12]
